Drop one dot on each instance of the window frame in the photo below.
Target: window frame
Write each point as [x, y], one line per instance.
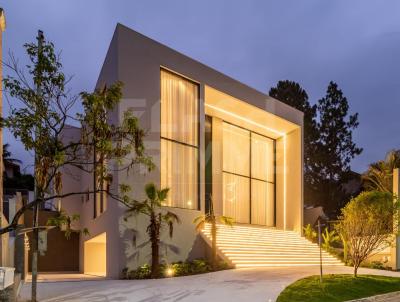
[197, 148]
[251, 132]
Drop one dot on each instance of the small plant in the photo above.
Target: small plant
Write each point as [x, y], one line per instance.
[329, 238]
[198, 266]
[345, 248]
[310, 233]
[377, 265]
[212, 219]
[158, 219]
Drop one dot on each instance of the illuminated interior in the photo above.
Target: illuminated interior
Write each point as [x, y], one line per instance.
[253, 164]
[179, 140]
[260, 174]
[95, 260]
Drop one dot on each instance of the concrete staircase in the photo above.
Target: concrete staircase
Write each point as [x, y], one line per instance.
[253, 246]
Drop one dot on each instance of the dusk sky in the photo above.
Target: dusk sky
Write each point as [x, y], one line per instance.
[354, 43]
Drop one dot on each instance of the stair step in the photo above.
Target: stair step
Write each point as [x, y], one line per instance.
[252, 246]
[283, 265]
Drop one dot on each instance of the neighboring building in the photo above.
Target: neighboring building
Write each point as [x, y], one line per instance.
[313, 214]
[209, 135]
[11, 169]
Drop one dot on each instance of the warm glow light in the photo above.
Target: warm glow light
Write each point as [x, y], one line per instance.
[273, 131]
[245, 120]
[245, 246]
[170, 272]
[284, 182]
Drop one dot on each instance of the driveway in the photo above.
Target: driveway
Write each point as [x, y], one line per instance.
[256, 285]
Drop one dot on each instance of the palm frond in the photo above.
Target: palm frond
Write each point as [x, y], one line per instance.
[171, 247]
[162, 194]
[200, 225]
[227, 220]
[137, 207]
[151, 191]
[170, 218]
[198, 219]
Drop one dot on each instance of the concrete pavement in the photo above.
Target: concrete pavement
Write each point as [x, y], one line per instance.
[256, 285]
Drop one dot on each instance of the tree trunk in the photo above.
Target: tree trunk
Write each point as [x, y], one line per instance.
[355, 270]
[35, 249]
[155, 264]
[214, 245]
[155, 247]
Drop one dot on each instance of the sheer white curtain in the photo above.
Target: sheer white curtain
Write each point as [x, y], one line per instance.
[179, 173]
[262, 203]
[236, 150]
[179, 108]
[236, 167]
[179, 140]
[262, 158]
[236, 197]
[248, 187]
[262, 184]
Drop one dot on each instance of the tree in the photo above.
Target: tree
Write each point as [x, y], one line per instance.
[212, 219]
[294, 95]
[328, 143]
[368, 224]
[39, 114]
[379, 175]
[158, 217]
[335, 147]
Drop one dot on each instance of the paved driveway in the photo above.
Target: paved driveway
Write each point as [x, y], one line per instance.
[256, 285]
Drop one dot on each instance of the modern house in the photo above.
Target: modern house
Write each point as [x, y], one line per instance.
[209, 135]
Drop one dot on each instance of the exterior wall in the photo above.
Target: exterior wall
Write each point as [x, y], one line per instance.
[136, 61]
[62, 254]
[394, 250]
[217, 176]
[95, 258]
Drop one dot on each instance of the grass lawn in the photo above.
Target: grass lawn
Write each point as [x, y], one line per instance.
[337, 288]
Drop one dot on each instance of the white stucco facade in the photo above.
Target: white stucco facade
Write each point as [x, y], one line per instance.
[137, 61]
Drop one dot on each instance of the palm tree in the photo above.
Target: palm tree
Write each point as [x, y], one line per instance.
[211, 218]
[379, 176]
[152, 207]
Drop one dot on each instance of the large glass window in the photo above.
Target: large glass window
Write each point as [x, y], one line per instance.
[179, 140]
[248, 176]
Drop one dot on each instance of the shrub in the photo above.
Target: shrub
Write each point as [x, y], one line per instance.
[198, 266]
[368, 224]
[310, 233]
[329, 238]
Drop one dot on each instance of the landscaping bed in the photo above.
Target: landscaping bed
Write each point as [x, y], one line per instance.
[176, 269]
[338, 288]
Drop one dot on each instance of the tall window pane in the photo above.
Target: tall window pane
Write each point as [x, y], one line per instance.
[262, 158]
[236, 150]
[262, 203]
[179, 102]
[179, 173]
[179, 140]
[236, 197]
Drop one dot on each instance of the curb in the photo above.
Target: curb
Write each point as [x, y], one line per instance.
[378, 298]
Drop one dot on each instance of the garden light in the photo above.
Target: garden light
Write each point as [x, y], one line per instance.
[170, 272]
